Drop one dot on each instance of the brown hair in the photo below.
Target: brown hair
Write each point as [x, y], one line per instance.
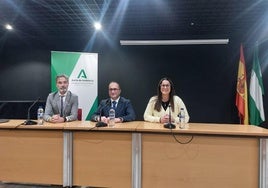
[158, 102]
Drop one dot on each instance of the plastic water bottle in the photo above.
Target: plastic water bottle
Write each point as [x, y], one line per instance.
[182, 119]
[111, 117]
[40, 115]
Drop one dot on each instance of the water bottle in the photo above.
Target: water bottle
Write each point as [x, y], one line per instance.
[182, 119]
[40, 115]
[111, 117]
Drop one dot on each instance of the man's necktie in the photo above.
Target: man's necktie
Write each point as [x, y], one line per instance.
[114, 105]
[61, 106]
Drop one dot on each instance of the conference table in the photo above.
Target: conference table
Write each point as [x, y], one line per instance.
[134, 154]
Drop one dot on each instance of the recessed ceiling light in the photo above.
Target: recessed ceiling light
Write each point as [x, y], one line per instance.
[8, 27]
[97, 26]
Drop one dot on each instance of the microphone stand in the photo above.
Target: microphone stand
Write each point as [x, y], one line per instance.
[169, 125]
[100, 123]
[29, 121]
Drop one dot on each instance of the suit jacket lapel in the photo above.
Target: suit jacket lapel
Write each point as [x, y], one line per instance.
[58, 102]
[119, 106]
[67, 100]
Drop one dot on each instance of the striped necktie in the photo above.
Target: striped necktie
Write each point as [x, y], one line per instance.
[114, 104]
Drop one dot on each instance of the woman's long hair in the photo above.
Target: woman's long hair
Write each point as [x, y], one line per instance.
[159, 95]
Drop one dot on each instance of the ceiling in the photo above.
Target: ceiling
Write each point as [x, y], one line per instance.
[135, 19]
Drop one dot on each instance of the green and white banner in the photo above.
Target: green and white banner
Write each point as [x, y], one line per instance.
[256, 91]
[82, 69]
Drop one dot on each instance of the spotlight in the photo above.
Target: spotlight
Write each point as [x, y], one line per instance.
[97, 26]
[8, 27]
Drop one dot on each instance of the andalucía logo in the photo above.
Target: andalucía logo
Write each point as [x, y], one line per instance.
[82, 74]
[82, 78]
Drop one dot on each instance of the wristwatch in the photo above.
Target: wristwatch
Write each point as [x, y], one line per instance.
[96, 118]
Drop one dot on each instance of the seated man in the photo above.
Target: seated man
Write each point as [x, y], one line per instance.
[61, 105]
[123, 108]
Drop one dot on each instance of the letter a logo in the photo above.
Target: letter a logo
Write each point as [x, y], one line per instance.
[82, 74]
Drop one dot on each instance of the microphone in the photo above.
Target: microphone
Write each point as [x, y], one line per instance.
[100, 123]
[29, 121]
[169, 125]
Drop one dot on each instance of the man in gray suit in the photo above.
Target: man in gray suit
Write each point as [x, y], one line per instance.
[62, 105]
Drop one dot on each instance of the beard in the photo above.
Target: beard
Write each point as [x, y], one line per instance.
[63, 89]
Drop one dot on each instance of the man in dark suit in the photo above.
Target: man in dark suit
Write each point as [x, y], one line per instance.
[62, 105]
[124, 111]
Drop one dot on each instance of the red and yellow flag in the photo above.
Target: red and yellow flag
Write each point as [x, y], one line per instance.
[242, 90]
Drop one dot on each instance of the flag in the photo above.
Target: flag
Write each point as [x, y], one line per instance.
[256, 91]
[241, 90]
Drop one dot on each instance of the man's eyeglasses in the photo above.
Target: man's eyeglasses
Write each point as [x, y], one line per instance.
[165, 85]
[113, 89]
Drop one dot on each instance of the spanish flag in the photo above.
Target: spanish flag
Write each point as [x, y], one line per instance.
[241, 90]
